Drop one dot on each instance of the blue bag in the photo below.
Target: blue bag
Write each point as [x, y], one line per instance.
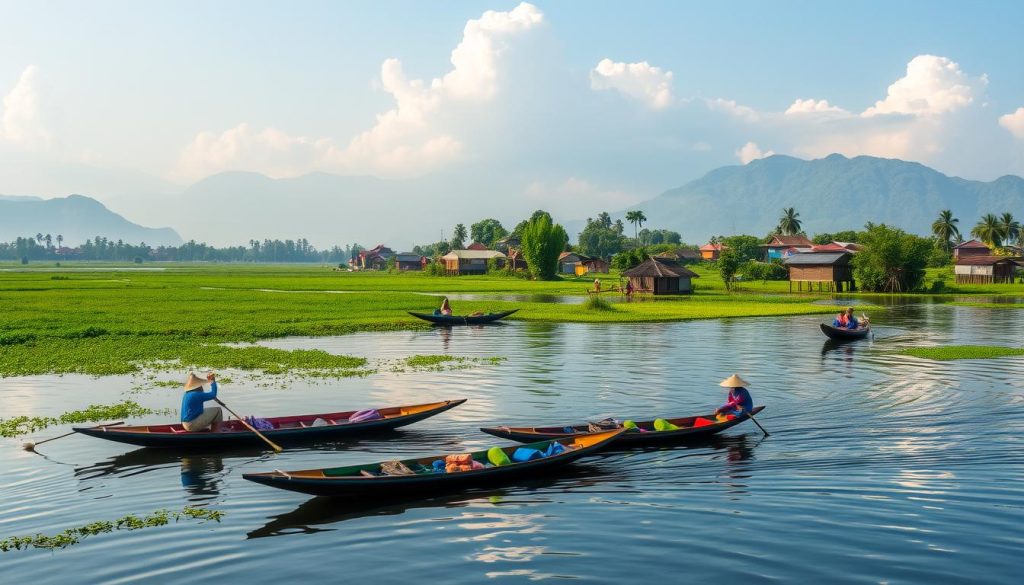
[526, 454]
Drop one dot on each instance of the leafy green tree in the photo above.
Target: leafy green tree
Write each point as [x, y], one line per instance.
[1009, 228]
[728, 265]
[989, 230]
[843, 236]
[487, 232]
[892, 260]
[945, 229]
[518, 230]
[655, 237]
[600, 238]
[637, 218]
[543, 241]
[629, 258]
[745, 247]
[789, 223]
[459, 237]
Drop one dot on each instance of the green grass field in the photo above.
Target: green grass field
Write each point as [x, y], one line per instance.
[963, 352]
[112, 320]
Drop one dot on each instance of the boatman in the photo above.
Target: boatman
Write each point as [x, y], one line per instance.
[846, 320]
[194, 417]
[739, 401]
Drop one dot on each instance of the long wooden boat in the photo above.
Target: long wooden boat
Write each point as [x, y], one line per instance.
[287, 429]
[686, 432]
[839, 333]
[462, 320]
[350, 480]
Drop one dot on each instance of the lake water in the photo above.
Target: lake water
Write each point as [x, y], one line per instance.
[880, 467]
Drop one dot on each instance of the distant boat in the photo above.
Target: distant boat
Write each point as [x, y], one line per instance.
[464, 320]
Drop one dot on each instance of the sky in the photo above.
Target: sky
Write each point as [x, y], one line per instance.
[576, 107]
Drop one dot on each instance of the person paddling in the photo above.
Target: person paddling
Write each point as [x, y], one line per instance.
[845, 320]
[194, 417]
[445, 309]
[739, 401]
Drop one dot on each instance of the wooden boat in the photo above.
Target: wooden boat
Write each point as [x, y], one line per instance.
[838, 333]
[686, 431]
[287, 429]
[462, 320]
[350, 481]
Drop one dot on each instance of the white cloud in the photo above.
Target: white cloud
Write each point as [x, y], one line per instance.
[932, 85]
[23, 120]
[751, 151]
[1014, 122]
[410, 139]
[733, 109]
[640, 81]
[812, 106]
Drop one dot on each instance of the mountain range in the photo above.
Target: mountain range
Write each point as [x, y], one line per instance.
[77, 218]
[831, 194]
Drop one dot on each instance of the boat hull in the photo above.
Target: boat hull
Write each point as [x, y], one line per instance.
[844, 334]
[629, 439]
[172, 437]
[318, 483]
[464, 320]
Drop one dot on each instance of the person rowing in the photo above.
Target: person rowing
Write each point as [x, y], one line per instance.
[446, 309]
[739, 400]
[194, 416]
[846, 320]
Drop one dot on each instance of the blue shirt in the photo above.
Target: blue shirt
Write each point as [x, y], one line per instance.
[192, 402]
[740, 397]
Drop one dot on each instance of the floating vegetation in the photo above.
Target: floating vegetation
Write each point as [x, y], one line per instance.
[21, 425]
[130, 522]
[439, 363]
[963, 352]
[596, 303]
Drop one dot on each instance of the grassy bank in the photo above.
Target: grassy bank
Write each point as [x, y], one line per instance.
[115, 321]
[963, 352]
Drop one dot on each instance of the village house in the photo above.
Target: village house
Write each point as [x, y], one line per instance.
[831, 271]
[476, 246]
[568, 261]
[681, 255]
[660, 276]
[838, 247]
[597, 265]
[469, 261]
[984, 269]
[780, 246]
[375, 258]
[971, 248]
[711, 251]
[410, 261]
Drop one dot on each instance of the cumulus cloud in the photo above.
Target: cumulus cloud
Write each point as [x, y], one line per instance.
[23, 119]
[733, 109]
[812, 106]
[409, 139]
[640, 81]
[932, 85]
[1014, 122]
[751, 151]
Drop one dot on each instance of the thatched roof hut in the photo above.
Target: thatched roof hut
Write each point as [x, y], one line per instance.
[661, 276]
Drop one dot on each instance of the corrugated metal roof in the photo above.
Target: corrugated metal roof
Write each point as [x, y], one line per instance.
[812, 258]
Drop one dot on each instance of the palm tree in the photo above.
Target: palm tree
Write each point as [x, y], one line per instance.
[459, 237]
[989, 230]
[1010, 228]
[945, 229]
[49, 241]
[637, 218]
[789, 223]
[60, 241]
[39, 237]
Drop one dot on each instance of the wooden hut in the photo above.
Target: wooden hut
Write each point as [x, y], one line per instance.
[831, 271]
[971, 248]
[409, 261]
[598, 265]
[476, 246]
[469, 261]
[568, 261]
[661, 276]
[783, 246]
[711, 251]
[984, 269]
[681, 255]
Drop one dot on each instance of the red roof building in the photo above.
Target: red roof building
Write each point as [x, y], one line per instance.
[971, 248]
[711, 251]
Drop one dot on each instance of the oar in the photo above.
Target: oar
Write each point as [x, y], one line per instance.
[751, 415]
[272, 444]
[30, 446]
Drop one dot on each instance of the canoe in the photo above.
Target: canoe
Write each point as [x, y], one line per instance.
[462, 320]
[349, 480]
[840, 334]
[686, 431]
[287, 429]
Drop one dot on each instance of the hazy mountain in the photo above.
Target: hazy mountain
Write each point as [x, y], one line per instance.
[77, 218]
[831, 194]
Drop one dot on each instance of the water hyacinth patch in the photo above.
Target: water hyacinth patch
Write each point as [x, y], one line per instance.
[21, 425]
[963, 352]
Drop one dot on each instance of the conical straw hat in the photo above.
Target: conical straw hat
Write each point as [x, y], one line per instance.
[194, 382]
[734, 381]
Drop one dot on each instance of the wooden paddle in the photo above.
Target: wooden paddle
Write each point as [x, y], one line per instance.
[751, 415]
[273, 445]
[30, 446]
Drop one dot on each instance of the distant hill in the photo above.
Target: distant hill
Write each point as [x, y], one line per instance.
[831, 194]
[77, 218]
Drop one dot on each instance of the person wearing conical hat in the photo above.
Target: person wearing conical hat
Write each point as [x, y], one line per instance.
[739, 400]
[194, 416]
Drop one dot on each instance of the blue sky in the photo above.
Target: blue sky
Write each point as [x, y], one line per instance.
[125, 100]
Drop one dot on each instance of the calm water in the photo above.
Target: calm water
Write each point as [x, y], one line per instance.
[880, 467]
